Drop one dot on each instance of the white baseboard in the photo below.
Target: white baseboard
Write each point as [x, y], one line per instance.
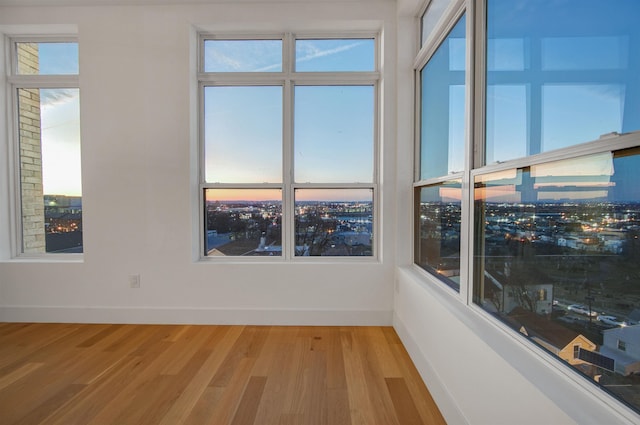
[200, 316]
[446, 403]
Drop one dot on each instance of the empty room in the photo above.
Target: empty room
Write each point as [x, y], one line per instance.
[320, 212]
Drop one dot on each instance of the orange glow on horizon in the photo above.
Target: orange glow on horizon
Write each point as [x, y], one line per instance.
[261, 195]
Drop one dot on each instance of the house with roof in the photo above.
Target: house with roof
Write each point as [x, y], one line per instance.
[623, 346]
[561, 341]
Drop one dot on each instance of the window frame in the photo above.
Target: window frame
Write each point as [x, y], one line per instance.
[447, 21]
[288, 79]
[15, 82]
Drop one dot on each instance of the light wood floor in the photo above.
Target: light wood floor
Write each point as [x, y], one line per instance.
[65, 374]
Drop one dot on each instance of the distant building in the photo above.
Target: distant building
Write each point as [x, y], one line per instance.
[623, 346]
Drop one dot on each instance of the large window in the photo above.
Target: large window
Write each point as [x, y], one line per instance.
[552, 208]
[289, 145]
[44, 84]
[441, 156]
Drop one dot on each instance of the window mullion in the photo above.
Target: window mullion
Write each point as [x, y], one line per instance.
[288, 234]
[471, 139]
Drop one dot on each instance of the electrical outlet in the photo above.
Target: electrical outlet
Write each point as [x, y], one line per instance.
[134, 281]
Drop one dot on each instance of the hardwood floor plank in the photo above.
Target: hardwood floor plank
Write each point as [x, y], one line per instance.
[248, 407]
[17, 374]
[99, 336]
[278, 364]
[40, 413]
[374, 379]
[403, 402]
[339, 411]
[183, 408]
[86, 405]
[362, 411]
[224, 411]
[67, 374]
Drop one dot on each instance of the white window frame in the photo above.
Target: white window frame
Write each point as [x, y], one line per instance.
[288, 78]
[14, 82]
[447, 21]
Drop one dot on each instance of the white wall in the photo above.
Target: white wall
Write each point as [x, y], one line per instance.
[140, 192]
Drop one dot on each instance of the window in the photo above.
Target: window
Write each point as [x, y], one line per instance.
[289, 136]
[622, 346]
[44, 84]
[438, 190]
[552, 208]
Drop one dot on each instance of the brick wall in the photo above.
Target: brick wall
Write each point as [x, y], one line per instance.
[33, 230]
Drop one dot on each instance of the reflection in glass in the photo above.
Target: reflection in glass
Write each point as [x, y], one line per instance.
[243, 222]
[531, 107]
[243, 134]
[50, 170]
[333, 222]
[443, 107]
[438, 247]
[242, 56]
[558, 259]
[334, 125]
[51, 58]
[571, 103]
[508, 135]
[505, 54]
[335, 55]
[579, 53]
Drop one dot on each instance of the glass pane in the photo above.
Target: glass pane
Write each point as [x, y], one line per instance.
[443, 107]
[508, 135]
[243, 222]
[243, 134]
[438, 247]
[334, 222]
[558, 259]
[47, 58]
[335, 55]
[559, 73]
[50, 175]
[333, 136]
[243, 55]
[431, 16]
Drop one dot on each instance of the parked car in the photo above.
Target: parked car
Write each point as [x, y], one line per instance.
[611, 320]
[581, 309]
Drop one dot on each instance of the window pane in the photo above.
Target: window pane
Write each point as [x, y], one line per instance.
[333, 136]
[243, 222]
[438, 247]
[243, 134]
[50, 176]
[558, 259]
[47, 58]
[334, 222]
[335, 55]
[571, 79]
[443, 107]
[431, 17]
[243, 55]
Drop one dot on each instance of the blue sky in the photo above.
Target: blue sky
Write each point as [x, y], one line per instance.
[60, 122]
[333, 131]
